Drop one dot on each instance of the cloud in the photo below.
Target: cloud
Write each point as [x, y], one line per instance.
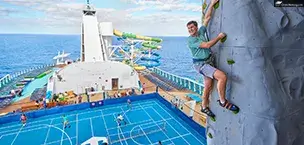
[167, 5]
[65, 16]
[6, 11]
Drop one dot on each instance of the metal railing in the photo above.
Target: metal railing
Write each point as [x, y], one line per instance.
[182, 81]
[9, 77]
[186, 105]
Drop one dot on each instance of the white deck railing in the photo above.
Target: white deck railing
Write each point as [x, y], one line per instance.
[182, 81]
[9, 77]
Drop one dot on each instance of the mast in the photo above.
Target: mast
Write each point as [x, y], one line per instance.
[89, 10]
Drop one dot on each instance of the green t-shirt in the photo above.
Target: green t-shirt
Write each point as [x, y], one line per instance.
[65, 118]
[194, 42]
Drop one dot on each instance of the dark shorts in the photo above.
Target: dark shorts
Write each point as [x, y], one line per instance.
[206, 68]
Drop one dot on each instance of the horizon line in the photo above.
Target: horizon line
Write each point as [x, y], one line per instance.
[80, 34]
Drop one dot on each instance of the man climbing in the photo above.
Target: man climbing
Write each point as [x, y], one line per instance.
[204, 62]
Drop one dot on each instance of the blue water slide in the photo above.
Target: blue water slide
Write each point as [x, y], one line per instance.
[118, 56]
[149, 63]
[48, 95]
[155, 56]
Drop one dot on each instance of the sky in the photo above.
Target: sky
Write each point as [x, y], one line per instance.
[145, 17]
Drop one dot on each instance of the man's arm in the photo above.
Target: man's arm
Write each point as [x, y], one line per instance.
[209, 13]
[212, 42]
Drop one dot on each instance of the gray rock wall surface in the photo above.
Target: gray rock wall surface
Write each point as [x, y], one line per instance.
[266, 80]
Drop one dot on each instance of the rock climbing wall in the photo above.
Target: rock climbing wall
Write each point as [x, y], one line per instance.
[266, 80]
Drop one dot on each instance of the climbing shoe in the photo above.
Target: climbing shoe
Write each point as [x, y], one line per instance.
[235, 109]
[208, 112]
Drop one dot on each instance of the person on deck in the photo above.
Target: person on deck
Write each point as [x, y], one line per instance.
[143, 88]
[44, 102]
[159, 143]
[129, 104]
[23, 119]
[66, 123]
[120, 119]
[204, 62]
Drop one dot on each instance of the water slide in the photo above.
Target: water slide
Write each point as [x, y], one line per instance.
[92, 41]
[148, 44]
[266, 78]
[134, 36]
[50, 86]
[151, 59]
[151, 44]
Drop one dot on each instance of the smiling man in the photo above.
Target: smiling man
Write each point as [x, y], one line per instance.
[204, 62]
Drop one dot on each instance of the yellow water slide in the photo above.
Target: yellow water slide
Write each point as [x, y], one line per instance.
[134, 36]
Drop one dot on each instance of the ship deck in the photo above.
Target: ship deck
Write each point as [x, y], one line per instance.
[149, 88]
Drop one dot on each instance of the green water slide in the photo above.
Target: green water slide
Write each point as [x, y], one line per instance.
[134, 36]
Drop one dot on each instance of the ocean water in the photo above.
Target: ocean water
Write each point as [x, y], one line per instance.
[22, 51]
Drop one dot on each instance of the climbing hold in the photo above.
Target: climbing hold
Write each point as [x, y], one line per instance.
[216, 5]
[204, 6]
[284, 21]
[210, 135]
[213, 119]
[236, 111]
[230, 61]
[224, 39]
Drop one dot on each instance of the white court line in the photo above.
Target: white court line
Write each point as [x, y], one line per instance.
[133, 130]
[148, 103]
[129, 124]
[58, 141]
[62, 134]
[119, 129]
[133, 122]
[18, 125]
[157, 124]
[104, 121]
[41, 126]
[76, 129]
[174, 138]
[179, 123]
[126, 115]
[37, 127]
[172, 127]
[47, 134]
[61, 131]
[92, 127]
[38, 121]
[17, 135]
[145, 134]
[142, 124]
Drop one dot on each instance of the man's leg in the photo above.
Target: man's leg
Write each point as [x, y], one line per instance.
[221, 86]
[65, 124]
[208, 82]
[221, 77]
[207, 71]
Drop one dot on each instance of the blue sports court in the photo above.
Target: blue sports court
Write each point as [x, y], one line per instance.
[148, 122]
